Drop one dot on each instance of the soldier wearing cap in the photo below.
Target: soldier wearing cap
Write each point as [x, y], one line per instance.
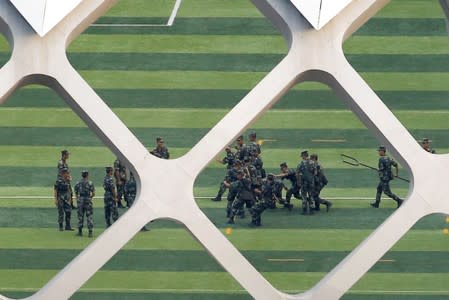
[320, 182]
[160, 151]
[294, 190]
[242, 149]
[232, 176]
[232, 166]
[253, 146]
[425, 144]
[385, 176]
[85, 191]
[243, 193]
[120, 182]
[63, 199]
[306, 171]
[62, 163]
[264, 200]
[110, 197]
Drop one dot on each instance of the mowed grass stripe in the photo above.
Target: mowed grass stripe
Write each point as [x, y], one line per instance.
[345, 218]
[46, 176]
[200, 261]
[222, 281]
[241, 44]
[225, 99]
[207, 118]
[96, 157]
[292, 239]
[14, 138]
[262, 26]
[245, 62]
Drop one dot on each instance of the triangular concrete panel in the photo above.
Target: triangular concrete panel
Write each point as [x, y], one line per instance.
[32, 11]
[43, 15]
[310, 9]
[329, 9]
[55, 11]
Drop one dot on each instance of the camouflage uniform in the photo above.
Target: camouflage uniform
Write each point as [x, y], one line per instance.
[243, 190]
[62, 165]
[110, 204]
[257, 162]
[84, 191]
[385, 176]
[63, 194]
[131, 190]
[229, 159]
[232, 181]
[320, 182]
[265, 201]
[307, 172]
[120, 181]
[161, 152]
[294, 190]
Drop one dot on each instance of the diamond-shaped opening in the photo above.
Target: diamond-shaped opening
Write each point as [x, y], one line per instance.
[415, 268]
[35, 126]
[292, 250]
[163, 263]
[403, 54]
[5, 50]
[177, 81]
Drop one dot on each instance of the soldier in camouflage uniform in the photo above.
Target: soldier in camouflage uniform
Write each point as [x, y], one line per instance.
[130, 192]
[242, 150]
[257, 162]
[253, 146]
[160, 151]
[320, 182]
[243, 191]
[110, 197]
[85, 191]
[229, 160]
[265, 201]
[63, 197]
[426, 145]
[385, 176]
[120, 181]
[62, 163]
[228, 182]
[306, 171]
[294, 190]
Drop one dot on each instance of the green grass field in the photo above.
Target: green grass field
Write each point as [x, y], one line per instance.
[177, 82]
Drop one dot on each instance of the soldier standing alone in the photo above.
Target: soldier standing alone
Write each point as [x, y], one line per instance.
[110, 197]
[63, 198]
[85, 191]
[385, 176]
[160, 151]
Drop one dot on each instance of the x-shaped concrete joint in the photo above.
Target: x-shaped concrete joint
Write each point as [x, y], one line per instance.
[313, 55]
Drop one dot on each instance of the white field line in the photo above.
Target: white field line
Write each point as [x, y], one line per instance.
[410, 292]
[169, 23]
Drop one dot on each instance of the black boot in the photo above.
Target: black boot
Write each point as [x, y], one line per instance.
[375, 204]
[80, 232]
[399, 202]
[68, 227]
[90, 233]
[60, 227]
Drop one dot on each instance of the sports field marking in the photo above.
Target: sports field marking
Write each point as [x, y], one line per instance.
[286, 259]
[387, 260]
[330, 141]
[169, 23]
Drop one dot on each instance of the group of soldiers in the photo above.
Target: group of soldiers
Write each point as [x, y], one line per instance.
[118, 183]
[250, 186]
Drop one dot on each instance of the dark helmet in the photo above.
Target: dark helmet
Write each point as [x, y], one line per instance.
[314, 156]
[109, 169]
[305, 153]
[283, 165]
[84, 173]
[382, 148]
[425, 141]
[252, 133]
[64, 152]
[270, 177]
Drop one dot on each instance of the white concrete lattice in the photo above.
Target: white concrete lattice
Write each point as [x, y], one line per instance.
[314, 55]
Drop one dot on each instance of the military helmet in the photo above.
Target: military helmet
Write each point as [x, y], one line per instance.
[64, 152]
[108, 169]
[314, 156]
[252, 133]
[84, 173]
[305, 153]
[283, 165]
[270, 176]
[382, 148]
[425, 141]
